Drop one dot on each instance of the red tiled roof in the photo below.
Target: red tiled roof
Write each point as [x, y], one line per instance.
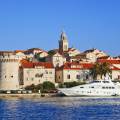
[114, 68]
[109, 61]
[16, 51]
[45, 64]
[87, 65]
[76, 66]
[28, 64]
[81, 66]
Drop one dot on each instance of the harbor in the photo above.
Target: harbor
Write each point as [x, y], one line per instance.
[67, 108]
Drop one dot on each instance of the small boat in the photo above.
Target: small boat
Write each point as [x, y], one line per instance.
[95, 88]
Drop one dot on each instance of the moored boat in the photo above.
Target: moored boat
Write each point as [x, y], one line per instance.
[95, 88]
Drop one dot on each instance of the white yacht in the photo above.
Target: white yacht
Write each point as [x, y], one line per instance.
[95, 88]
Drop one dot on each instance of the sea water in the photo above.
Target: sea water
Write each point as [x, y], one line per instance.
[60, 108]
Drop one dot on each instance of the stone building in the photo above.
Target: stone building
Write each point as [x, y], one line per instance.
[9, 70]
[70, 72]
[57, 59]
[36, 72]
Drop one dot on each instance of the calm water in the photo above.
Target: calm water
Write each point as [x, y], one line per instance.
[60, 108]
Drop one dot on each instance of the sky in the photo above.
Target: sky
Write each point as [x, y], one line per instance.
[38, 23]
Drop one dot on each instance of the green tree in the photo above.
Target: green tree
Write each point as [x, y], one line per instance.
[100, 69]
[95, 70]
[31, 87]
[47, 85]
[39, 87]
[105, 69]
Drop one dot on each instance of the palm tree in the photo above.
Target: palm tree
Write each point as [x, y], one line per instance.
[95, 70]
[105, 69]
[100, 69]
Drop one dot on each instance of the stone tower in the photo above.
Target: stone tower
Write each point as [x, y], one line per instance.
[9, 71]
[63, 43]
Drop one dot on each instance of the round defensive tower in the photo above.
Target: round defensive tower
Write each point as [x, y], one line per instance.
[9, 68]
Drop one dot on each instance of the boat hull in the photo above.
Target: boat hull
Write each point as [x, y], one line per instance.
[75, 93]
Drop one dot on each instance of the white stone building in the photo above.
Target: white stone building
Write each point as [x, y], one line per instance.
[70, 72]
[9, 71]
[36, 73]
[92, 55]
[43, 54]
[57, 59]
[115, 73]
[34, 51]
[73, 52]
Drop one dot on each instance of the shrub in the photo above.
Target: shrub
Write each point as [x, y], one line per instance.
[47, 85]
[70, 84]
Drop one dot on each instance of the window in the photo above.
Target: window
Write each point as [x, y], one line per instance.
[46, 72]
[77, 76]
[96, 81]
[50, 72]
[11, 76]
[87, 76]
[39, 75]
[105, 81]
[81, 87]
[68, 76]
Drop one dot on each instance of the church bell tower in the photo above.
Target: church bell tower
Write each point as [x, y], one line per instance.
[63, 43]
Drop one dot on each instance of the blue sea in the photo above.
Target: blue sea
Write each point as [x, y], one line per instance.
[60, 108]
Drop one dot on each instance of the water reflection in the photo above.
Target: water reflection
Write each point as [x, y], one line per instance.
[60, 108]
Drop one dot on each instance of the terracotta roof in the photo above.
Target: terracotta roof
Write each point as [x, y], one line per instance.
[113, 61]
[76, 66]
[114, 68]
[28, 64]
[17, 51]
[45, 64]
